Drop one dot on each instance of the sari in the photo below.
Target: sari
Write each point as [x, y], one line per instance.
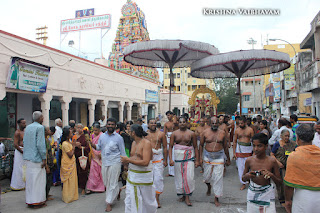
[95, 181]
[68, 173]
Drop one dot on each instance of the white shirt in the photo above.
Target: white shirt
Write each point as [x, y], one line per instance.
[316, 139]
[144, 127]
[57, 135]
[102, 122]
[2, 149]
[276, 135]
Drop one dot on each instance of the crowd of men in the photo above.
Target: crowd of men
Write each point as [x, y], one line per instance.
[281, 156]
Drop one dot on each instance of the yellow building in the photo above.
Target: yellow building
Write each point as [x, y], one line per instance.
[287, 48]
[183, 82]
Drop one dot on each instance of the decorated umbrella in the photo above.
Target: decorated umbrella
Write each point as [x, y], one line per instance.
[239, 64]
[167, 54]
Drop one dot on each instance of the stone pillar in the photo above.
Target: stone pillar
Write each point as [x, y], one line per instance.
[129, 110]
[139, 109]
[104, 107]
[91, 107]
[45, 100]
[120, 108]
[65, 101]
[317, 41]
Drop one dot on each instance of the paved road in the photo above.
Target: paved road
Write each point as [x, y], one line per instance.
[233, 200]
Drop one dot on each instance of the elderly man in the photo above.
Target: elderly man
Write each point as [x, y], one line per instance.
[276, 135]
[302, 179]
[34, 154]
[57, 135]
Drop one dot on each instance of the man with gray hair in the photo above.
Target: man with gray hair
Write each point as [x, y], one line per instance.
[34, 154]
[57, 135]
[302, 179]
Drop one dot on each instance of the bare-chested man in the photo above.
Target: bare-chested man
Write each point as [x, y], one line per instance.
[212, 158]
[224, 127]
[186, 157]
[242, 147]
[169, 127]
[17, 182]
[260, 169]
[202, 126]
[159, 148]
[140, 192]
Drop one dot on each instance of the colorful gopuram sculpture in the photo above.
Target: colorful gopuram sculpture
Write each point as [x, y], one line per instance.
[132, 28]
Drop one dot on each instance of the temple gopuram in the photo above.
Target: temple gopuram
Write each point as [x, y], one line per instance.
[132, 28]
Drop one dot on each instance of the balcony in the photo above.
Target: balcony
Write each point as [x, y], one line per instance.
[309, 76]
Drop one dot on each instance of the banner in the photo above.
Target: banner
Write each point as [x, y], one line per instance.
[289, 79]
[277, 91]
[28, 76]
[85, 23]
[83, 13]
[151, 96]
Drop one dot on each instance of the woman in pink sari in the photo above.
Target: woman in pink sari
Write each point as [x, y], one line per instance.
[95, 182]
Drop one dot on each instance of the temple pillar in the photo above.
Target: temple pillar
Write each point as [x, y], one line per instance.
[91, 107]
[45, 100]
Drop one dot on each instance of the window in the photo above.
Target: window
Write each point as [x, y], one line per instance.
[194, 87]
[246, 97]
[178, 75]
[174, 75]
[189, 75]
[178, 88]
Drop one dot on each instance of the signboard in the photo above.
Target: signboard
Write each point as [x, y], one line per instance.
[28, 76]
[85, 23]
[151, 96]
[308, 102]
[83, 13]
[277, 91]
[289, 79]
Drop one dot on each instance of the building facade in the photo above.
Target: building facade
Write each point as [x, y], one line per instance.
[252, 95]
[77, 89]
[184, 82]
[310, 67]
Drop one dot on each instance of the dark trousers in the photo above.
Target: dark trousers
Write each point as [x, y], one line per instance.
[49, 183]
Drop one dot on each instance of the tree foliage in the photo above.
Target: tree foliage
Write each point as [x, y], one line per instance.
[225, 89]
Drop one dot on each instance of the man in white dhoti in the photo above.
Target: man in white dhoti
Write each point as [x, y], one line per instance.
[140, 191]
[260, 169]
[302, 179]
[34, 154]
[17, 181]
[111, 145]
[186, 157]
[168, 129]
[242, 147]
[159, 149]
[215, 146]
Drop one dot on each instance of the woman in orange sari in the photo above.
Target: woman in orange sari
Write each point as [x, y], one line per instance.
[95, 181]
[68, 168]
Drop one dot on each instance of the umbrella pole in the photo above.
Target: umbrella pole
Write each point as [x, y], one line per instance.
[240, 99]
[171, 78]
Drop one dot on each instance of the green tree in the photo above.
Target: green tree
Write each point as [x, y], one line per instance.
[225, 91]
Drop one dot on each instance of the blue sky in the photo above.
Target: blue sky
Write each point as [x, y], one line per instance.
[166, 19]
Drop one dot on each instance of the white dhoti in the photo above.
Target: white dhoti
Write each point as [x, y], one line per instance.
[35, 183]
[110, 176]
[184, 169]
[213, 170]
[261, 198]
[170, 168]
[305, 201]
[17, 181]
[140, 191]
[158, 168]
[242, 153]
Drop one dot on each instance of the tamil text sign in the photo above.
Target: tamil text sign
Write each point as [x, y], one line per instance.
[151, 96]
[85, 23]
[28, 76]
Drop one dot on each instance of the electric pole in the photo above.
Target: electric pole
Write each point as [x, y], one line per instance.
[42, 34]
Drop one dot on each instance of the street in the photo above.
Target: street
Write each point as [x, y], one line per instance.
[233, 199]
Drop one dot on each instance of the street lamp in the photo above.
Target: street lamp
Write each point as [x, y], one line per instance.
[295, 71]
[71, 44]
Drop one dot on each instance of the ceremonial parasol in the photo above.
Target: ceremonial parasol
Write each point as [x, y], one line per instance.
[167, 54]
[239, 64]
